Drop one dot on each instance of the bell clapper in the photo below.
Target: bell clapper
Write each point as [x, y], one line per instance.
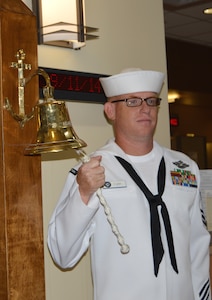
[124, 247]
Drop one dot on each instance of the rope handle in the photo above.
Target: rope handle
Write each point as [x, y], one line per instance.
[107, 210]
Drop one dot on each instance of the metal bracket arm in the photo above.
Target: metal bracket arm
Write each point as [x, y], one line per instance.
[48, 90]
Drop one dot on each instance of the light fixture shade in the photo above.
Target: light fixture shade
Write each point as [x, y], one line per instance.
[62, 23]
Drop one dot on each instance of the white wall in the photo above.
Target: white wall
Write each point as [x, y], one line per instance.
[131, 35]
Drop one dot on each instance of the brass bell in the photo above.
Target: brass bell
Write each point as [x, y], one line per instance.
[55, 131]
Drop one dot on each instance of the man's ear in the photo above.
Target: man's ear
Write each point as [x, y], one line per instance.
[109, 109]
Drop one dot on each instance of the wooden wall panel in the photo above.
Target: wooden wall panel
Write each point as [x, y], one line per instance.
[189, 66]
[21, 222]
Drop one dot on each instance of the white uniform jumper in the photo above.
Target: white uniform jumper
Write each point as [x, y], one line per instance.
[74, 227]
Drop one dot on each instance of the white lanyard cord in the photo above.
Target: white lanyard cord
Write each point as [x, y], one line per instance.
[124, 247]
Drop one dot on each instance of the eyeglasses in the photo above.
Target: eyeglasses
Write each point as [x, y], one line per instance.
[133, 102]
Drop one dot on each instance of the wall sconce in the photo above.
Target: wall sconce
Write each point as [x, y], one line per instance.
[55, 132]
[62, 23]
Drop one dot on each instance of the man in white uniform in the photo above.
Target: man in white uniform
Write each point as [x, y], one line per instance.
[153, 194]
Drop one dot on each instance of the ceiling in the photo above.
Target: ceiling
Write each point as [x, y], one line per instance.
[184, 20]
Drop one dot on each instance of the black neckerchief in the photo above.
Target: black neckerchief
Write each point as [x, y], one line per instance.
[154, 202]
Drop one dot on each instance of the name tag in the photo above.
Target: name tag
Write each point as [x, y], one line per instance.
[114, 184]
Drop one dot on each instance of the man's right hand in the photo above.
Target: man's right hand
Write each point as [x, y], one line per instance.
[90, 177]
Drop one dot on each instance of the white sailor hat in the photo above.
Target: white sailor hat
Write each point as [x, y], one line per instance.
[132, 81]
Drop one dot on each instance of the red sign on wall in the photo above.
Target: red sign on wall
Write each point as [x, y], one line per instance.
[75, 86]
